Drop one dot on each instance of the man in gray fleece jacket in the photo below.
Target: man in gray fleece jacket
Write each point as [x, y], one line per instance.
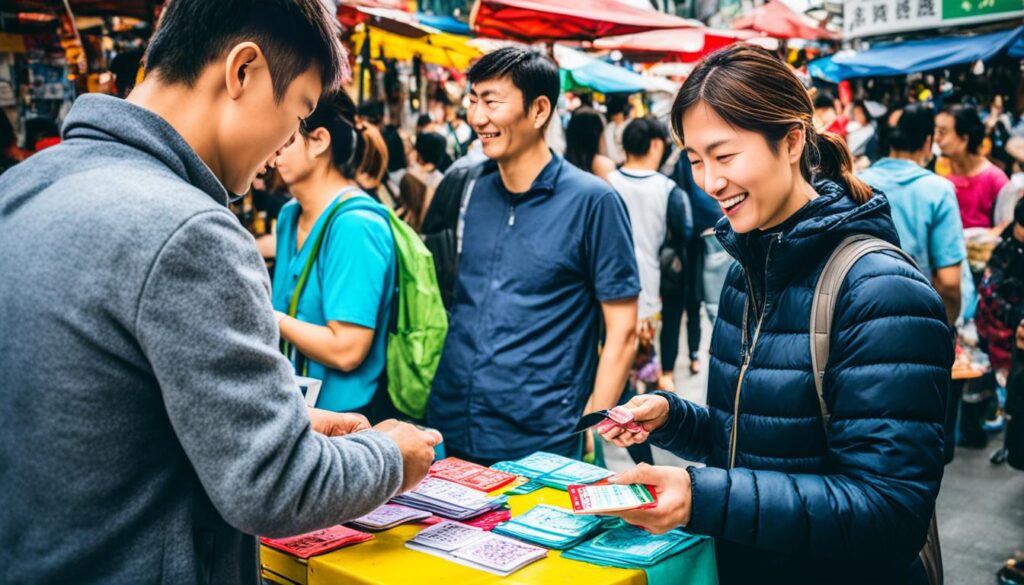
[148, 425]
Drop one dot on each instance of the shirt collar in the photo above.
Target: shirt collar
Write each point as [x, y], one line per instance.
[545, 181]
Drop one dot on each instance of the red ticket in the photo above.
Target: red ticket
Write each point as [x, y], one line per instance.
[318, 542]
[471, 475]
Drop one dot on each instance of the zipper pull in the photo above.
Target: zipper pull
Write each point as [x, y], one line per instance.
[512, 216]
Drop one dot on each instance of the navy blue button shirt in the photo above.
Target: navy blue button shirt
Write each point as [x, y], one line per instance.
[522, 348]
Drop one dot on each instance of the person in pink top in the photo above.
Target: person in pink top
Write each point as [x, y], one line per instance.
[959, 133]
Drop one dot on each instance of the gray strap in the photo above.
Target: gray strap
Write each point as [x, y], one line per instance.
[826, 292]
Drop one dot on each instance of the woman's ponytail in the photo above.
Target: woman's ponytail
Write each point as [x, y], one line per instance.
[836, 164]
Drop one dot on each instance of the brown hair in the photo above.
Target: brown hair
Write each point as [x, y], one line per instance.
[751, 89]
[412, 194]
[373, 161]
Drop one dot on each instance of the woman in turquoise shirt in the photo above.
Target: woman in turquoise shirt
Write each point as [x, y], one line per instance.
[338, 331]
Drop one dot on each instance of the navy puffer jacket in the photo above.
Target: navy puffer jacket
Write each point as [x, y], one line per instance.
[801, 505]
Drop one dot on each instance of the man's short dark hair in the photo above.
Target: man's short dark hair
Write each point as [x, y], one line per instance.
[533, 73]
[293, 35]
[916, 124]
[824, 101]
[617, 103]
[430, 147]
[639, 133]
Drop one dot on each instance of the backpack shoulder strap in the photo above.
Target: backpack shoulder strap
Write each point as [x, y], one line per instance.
[467, 194]
[826, 292]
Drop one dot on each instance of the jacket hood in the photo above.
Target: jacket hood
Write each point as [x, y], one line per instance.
[104, 118]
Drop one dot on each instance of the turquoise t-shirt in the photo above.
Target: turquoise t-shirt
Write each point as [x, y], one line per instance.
[927, 217]
[352, 281]
[924, 209]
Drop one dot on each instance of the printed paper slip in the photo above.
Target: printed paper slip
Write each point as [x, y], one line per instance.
[602, 498]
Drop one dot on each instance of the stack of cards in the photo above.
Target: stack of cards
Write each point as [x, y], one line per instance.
[554, 470]
[388, 516]
[551, 527]
[317, 543]
[471, 475]
[476, 548]
[629, 547]
[451, 500]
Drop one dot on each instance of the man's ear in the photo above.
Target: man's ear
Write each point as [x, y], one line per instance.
[244, 61]
[540, 111]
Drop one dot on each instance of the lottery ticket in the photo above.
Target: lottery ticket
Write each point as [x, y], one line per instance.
[448, 536]
[452, 493]
[389, 516]
[597, 499]
[500, 553]
[557, 521]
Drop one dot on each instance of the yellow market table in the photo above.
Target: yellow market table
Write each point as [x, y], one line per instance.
[385, 561]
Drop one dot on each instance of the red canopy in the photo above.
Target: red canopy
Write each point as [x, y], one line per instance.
[683, 45]
[534, 20]
[775, 19]
[136, 8]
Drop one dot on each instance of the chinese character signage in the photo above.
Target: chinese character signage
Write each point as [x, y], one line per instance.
[876, 17]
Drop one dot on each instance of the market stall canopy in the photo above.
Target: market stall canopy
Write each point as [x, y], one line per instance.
[137, 8]
[775, 19]
[388, 19]
[442, 49]
[916, 56]
[448, 24]
[538, 20]
[680, 45]
[581, 71]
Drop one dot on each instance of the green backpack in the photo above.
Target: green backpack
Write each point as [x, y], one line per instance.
[418, 323]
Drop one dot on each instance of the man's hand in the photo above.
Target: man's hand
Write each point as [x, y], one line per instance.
[417, 447]
[672, 484]
[336, 424]
[649, 411]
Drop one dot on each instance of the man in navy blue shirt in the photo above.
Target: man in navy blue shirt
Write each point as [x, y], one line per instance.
[546, 264]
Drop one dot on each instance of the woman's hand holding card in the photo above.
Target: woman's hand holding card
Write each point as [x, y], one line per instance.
[674, 497]
[633, 423]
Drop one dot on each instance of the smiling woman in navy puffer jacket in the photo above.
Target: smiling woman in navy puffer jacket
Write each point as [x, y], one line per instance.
[788, 499]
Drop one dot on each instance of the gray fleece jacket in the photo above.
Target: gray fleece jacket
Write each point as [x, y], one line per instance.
[148, 424]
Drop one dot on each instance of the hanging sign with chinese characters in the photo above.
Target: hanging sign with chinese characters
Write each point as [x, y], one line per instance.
[862, 18]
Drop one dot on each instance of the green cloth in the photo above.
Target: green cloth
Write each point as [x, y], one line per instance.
[693, 566]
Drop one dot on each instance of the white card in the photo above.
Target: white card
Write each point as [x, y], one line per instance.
[448, 536]
[500, 553]
[452, 493]
[390, 515]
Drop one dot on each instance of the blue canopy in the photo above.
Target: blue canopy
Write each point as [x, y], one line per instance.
[1017, 49]
[446, 24]
[914, 56]
[579, 70]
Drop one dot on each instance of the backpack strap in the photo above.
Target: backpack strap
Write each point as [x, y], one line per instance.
[826, 292]
[300, 286]
[467, 194]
